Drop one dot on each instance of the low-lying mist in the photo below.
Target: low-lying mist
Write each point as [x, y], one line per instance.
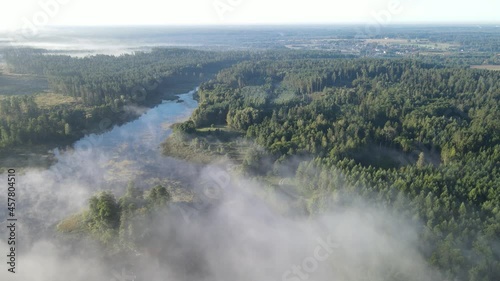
[229, 232]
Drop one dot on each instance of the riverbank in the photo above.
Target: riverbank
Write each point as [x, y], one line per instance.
[41, 155]
[207, 145]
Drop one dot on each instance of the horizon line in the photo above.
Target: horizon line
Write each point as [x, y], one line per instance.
[284, 24]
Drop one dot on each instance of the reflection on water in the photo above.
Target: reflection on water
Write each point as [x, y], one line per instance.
[146, 132]
[120, 153]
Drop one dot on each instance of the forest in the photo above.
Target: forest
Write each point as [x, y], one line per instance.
[419, 136]
[421, 139]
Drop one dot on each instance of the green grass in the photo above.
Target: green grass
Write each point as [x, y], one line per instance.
[285, 97]
[487, 67]
[13, 84]
[49, 100]
[73, 224]
[207, 145]
[385, 157]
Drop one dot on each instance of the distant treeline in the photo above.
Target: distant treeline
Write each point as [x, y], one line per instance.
[110, 80]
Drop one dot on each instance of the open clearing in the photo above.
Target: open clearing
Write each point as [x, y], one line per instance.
[19, 84]
[486, 66]
[48, 100]
[416, 42]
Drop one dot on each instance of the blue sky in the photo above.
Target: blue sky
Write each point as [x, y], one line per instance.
[15, 14]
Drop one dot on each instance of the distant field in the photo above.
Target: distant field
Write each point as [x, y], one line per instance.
[420, 43]
[389, 41]
[48, 100]
[14, 84]
[486, 66]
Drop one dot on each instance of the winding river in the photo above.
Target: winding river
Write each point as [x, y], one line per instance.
[108, 161]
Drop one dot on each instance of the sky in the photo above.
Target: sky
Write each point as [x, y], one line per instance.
[18, 14]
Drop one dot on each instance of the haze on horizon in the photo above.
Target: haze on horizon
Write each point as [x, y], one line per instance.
[14, 15]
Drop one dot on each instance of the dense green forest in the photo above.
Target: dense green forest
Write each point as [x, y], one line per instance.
[421, 139]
